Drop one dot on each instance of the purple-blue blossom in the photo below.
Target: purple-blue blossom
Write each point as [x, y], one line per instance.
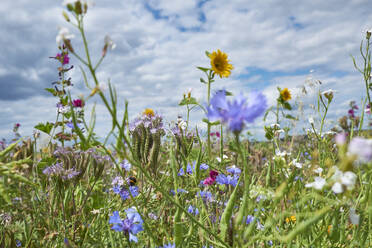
[237, 112]
[193, 210]
[204, 166]
[125, 165]
[233, 170]
[223, 179]
[130, 226]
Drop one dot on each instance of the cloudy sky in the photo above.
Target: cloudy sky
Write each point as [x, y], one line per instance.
[160, 42]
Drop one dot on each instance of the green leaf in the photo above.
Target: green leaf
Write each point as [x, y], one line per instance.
[211, 123]
[207, 53]
[203, 81]
[286, 105]
[46, 128]
[290, 117]
[188, 101]
[203, 68]
[51, 90]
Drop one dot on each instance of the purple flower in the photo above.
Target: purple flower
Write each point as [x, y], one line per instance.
[181, 172]
[205, 195]
[250, 219]
[204, 167]
[209, 181]
[362, 148]
[178, 191]
[233, 170]
[223, 179]
[193, 210]
[125, 165]
[237, 112]
[130, 226]
[63, 58]
[189, 169]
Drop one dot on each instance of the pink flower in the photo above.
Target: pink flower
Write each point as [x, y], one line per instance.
[78, 103]
[209, 181]
[63, 58]
[218, 134]
[211, 134]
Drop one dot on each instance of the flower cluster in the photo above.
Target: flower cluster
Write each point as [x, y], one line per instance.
[58, 170]
[124, 190]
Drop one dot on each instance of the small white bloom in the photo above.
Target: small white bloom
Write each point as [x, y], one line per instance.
[311, 120]
[63, 34]
[110, 44]
[275, 125]
[354, 217]
[349, 179]
[318, 183]
[318, 170]
[297, 164]
[182, 125]
[337, 188]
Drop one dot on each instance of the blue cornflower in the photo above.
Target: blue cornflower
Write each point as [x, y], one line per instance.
[178, 191]
[233, 170]
[125, 165]
[181, 172]
[193, 210]
[250, 219]
[204, 167]
[132, 225]
[205, 195]
[237, 112]
[18, 243]
[189, 170]
[223, 179]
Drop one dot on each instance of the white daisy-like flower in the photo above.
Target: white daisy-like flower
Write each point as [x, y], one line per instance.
[311, 120]
[318, 183]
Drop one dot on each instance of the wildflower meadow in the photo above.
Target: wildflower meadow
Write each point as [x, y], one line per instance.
[155, 183]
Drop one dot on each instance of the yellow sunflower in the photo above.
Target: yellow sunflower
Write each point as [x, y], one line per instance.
[220, 63]
[148, 112]
[286, 94]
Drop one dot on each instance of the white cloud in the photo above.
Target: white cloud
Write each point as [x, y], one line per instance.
[155, 62]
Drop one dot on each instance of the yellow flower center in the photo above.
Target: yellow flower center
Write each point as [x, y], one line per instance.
[286, 94]
[149, 112]
[220, 64]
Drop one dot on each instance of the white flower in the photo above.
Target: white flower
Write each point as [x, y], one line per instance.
[182, 125]
[297, 164]
[330, 91]
[311, 120]
[318, 183]
[354, 218]
[219, 159]
[362, 148]
[275, 125]
[63, 34]
[110, 44]
[318, 170]
[347, 179]
[337, 188]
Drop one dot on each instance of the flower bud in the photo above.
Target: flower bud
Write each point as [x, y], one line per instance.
[368, 35]
[70, 7]
[66, 16]
[78, 8]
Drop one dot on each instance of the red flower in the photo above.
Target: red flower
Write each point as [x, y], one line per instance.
[213, 174]
[78, 103]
